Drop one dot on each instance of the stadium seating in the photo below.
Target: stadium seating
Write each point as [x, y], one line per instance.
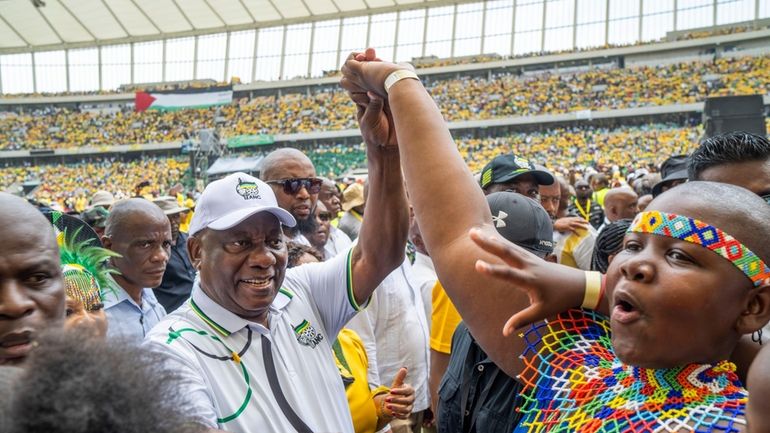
[71, 185]
[560, 149]
[460, 99]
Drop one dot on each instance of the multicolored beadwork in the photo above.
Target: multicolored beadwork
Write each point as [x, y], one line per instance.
[573, 382]
[705, 235]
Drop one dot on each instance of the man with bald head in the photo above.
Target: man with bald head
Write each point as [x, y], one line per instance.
[291, 175]
[31, 284]
[140, 232]
[619, 203]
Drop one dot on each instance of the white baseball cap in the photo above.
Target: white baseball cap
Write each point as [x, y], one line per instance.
[228, 201]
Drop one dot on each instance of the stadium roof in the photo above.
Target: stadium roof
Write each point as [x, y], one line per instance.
[38, 25]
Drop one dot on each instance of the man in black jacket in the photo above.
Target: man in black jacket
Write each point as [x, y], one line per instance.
[178, 279]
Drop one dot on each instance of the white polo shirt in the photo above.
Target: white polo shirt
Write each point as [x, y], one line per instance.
[220, 355]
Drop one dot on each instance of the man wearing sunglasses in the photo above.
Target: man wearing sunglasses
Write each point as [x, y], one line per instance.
[291, 175]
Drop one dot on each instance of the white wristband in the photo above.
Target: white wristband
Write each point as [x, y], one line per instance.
[397, 76]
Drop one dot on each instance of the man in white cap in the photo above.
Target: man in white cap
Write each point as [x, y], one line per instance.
[253, 344]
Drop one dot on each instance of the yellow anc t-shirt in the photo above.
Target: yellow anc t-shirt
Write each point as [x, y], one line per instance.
[351, 360]
[444, 320]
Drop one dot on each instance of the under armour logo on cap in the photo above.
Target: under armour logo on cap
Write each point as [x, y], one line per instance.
[499, 220]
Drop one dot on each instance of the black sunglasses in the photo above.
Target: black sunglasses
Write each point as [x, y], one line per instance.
[294, 185]
[325, 216]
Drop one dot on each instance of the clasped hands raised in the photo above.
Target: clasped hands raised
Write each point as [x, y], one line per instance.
[551, 288]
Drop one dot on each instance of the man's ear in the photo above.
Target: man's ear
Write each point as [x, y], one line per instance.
[757, 311]
[194, 249]
[107, 242]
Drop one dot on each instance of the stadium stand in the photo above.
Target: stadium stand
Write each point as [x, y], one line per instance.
[560, 149]
[466, 98]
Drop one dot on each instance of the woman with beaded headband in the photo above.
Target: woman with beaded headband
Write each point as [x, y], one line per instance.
[681, 296]
[84, 271]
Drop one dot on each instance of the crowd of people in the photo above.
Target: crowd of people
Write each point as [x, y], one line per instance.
[69, 186]
[562, 150]
[466, 98]
[538, 290]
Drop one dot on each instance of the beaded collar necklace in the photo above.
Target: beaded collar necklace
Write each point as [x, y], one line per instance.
[574, 382]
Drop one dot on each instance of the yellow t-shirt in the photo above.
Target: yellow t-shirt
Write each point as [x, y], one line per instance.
[444, 320]
[351, 360]
[598, 196]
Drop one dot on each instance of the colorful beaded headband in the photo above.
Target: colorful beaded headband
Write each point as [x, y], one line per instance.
[703, 234]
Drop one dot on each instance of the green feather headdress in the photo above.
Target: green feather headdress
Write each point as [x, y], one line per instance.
[83, 260]
[86, 258]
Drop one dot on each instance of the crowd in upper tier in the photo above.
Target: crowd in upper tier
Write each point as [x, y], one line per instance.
[465, 98]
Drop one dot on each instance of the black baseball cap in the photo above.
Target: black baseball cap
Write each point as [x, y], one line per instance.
[674, 168]
[506, 167]
[523, 221]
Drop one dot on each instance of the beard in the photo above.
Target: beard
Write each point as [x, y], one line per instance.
[307, 226]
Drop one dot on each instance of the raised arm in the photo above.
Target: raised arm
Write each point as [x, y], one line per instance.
[382, 239]
[448, 203]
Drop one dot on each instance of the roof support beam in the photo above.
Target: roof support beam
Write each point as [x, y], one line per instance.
[513, 26]
[208, 31]
[216, 14]
[34, 74]
[184, 15]
[309, 12]
[67, 68]
[13, 29]
[254, 59]
[310, 50]
[75, 17]
[280, 14]
[243, 5]
[147, 17]
[115, 17]
[53, 29]
[227, 57]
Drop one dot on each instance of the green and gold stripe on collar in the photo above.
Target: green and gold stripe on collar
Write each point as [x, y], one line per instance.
[209, 321]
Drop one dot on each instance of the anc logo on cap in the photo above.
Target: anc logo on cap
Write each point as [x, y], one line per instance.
[522, 162]
[247, 190]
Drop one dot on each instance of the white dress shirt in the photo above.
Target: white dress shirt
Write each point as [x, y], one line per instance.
[397, 317]
[424, 277]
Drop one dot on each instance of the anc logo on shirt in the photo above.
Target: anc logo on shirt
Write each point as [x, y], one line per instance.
[307, 335]
[247, 190]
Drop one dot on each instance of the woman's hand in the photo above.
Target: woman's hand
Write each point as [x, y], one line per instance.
[544, 282]
[399, 402]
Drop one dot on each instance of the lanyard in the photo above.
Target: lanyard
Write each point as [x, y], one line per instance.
[585, 212]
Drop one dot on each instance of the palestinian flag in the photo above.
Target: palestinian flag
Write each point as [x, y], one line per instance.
[181, 99]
